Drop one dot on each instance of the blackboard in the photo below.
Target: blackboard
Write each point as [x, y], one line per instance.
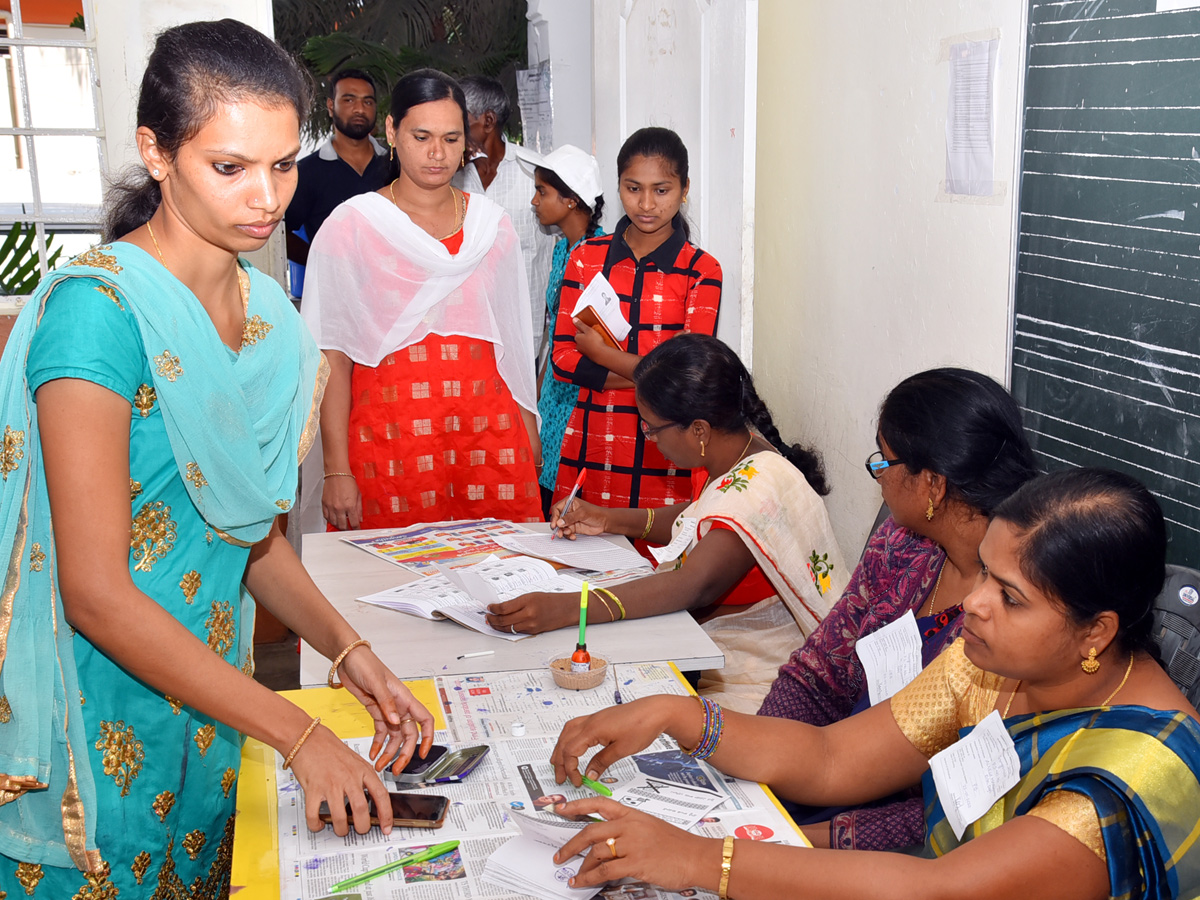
[1106, 331]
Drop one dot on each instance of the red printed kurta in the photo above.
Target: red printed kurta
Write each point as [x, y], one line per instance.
[675, 289]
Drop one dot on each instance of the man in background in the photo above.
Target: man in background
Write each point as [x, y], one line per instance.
[495, 172]
[351, 162]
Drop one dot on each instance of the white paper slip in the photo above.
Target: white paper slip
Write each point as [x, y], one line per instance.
[526, 865]
[974, 773]
[683, 805]
[891, 657]
[603, 298]
[587, 551]
[685, 533]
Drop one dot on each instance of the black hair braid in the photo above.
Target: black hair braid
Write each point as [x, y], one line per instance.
[593, 224]
[808, 461]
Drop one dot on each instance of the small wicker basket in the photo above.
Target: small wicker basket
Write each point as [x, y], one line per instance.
[579, 681]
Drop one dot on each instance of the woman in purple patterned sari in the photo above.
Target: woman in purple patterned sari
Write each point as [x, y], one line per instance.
[951, 447]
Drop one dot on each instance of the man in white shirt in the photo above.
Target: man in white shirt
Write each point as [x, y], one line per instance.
[496, 173]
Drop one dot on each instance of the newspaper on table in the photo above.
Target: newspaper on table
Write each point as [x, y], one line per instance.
[514, 778]
[585, 551]
[418, 547]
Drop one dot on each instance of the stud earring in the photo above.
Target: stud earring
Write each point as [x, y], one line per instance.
[1091, 665]
[156, 173]
[929, 511]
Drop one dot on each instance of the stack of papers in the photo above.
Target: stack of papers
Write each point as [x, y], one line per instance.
[525, 865]
[584, 552]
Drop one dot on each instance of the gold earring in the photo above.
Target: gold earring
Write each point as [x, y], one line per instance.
[929, 512]
[391, 151]
[1091, 665]
[702, 449]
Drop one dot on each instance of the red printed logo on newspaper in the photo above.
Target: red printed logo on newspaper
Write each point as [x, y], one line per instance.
[479, 692]
[754, 832]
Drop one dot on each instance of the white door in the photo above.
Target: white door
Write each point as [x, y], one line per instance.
[689, 65]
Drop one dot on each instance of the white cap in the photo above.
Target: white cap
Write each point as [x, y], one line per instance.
[577, 168]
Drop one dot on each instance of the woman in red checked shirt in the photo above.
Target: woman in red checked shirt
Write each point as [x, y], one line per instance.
[667, 287]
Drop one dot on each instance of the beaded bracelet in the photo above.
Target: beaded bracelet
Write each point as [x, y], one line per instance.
[714, 723]
[649, 524]
[337, 661]
[287, 762]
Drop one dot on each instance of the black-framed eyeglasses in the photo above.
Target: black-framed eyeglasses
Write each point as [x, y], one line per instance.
[876, 464]
[651, 431]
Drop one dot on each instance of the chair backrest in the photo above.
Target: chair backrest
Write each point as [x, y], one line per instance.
[1177, 629]
[880, 518]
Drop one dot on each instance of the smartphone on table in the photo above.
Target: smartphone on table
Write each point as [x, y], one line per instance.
[412, 810]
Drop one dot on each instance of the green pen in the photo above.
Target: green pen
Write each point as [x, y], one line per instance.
[421, 856]
[595, 786]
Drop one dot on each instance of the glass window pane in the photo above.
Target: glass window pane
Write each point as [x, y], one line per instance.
[16, 189]
[68, 170]
[60, 86]
[71, 243]
[11, 108]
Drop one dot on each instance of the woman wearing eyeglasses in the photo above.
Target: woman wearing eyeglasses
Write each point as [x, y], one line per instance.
[951, 449]
[760, 567]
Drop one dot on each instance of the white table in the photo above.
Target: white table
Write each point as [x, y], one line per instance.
[413, 647]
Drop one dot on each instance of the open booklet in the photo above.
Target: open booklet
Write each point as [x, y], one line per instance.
[464, 594]
[599, 307]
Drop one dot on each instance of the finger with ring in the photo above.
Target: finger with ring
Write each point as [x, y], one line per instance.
[612, 846]
[513, 628]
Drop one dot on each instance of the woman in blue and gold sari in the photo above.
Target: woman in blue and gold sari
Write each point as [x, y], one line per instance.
[1053, 676]
[157, 394]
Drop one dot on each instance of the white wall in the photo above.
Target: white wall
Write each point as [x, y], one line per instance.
[125, 33]
[561, 31]
[862, 275]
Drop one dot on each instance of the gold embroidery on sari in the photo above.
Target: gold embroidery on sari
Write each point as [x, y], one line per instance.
[123, 753]
[162, 805]
[204, 738]
[97, 259]
[190, 585]
[111, 295]
[74, 825]
[227, 781]
[81, 700]
[168, 366]
[230, 539]
[141, 863]
[221, 631]
[193, 843]
[176, 705]
[254, 330]
[135, 488]
[12, 579]
[6, 710]
[285, 505]
[12, 451]
[29, 874]
[98, 886]
[152, 535]
[143, 400]
[36, 557]
[169, 885]
[248, 665]
[314, 411]
[195, 476]
[216, 885]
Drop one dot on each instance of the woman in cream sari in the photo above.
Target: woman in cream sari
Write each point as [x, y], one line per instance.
[756, 558]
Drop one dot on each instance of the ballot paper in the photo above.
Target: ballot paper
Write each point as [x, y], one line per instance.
[685, 533]
[972, 774]
[525, 864]
[890, 657]
[683, 805]
[585, 551]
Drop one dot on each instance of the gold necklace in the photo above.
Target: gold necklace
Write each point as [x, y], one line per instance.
[157, 249]
[937, 584]
[458, 214]
[1107, 700]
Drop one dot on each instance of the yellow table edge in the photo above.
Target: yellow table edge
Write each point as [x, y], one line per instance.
[256, 835]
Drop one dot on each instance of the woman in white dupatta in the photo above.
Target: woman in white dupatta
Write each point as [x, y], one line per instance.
[755, 561]
[417, 294]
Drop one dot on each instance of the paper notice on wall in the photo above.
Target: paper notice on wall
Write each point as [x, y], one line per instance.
[537, 108]
[970, 120]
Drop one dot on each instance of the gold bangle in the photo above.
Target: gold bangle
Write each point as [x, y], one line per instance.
[649, 524]
[615, 599]
[726, 867]
[338, 661]
[339, 475]
[612, 616]
[287, 762]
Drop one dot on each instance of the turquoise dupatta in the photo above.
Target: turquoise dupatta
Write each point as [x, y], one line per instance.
[1139, 767]
[236, 438]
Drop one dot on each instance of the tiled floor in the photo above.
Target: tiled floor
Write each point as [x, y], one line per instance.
[278, 665]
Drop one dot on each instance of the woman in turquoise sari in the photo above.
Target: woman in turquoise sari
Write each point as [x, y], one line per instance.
[157, 396]
[1053, 681]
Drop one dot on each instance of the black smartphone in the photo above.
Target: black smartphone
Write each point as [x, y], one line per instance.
[414, 772]
[413, 810]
